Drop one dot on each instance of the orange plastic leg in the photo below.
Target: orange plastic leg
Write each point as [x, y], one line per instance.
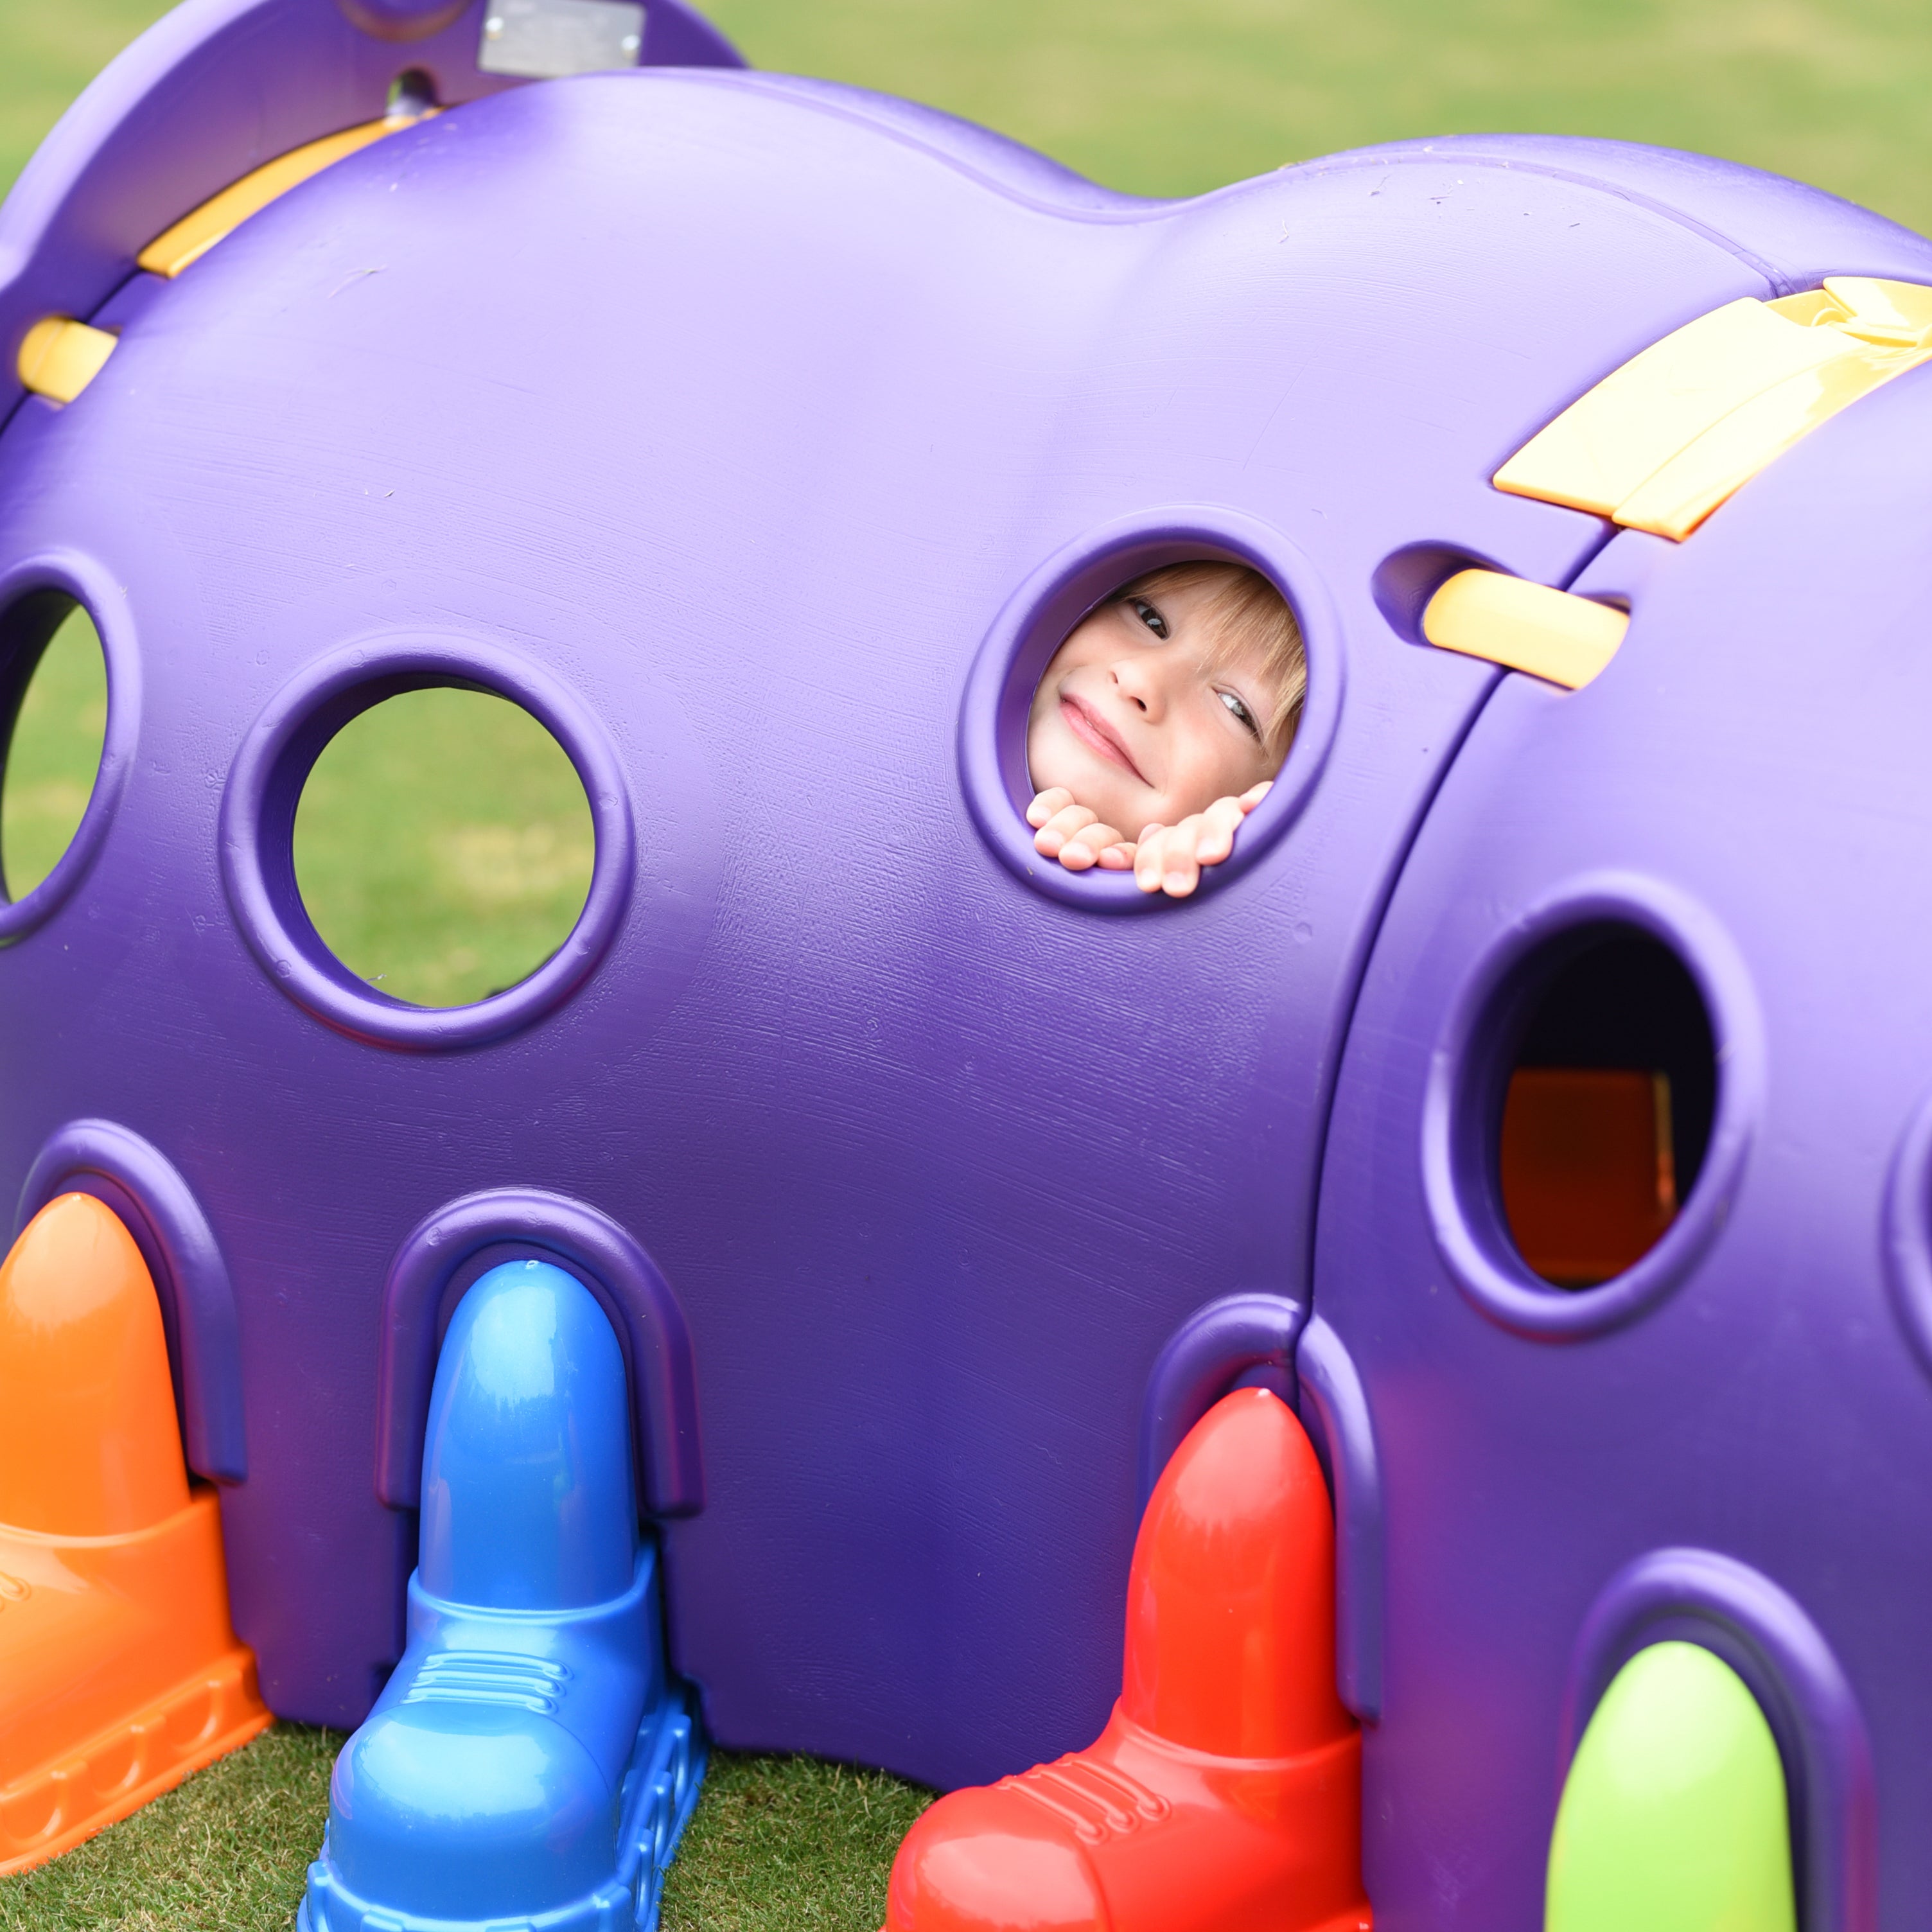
[119, 1673]
[1225, 1795]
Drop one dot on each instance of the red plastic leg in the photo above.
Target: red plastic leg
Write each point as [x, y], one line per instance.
[1225, 1795]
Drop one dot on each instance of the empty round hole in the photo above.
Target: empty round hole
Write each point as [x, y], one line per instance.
[1605, 1113]
[53, 750]
[411, 93]
[443, 846]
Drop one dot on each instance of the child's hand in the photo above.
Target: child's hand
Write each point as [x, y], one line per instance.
[1168, 858]
[1074, 835]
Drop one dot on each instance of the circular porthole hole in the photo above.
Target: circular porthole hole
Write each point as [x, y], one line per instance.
[1183, 686]
[56, 689]
[1599, 1112]
[1048, 706]
[412, 94]
[442, 845]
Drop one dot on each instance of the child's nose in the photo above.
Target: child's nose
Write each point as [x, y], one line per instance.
[1139, 683]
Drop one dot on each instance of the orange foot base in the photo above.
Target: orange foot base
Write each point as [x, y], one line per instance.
[114, 1773]
[119, 1671]
[1225, 1795]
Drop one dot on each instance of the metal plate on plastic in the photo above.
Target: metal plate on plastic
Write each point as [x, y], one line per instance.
[545, 40]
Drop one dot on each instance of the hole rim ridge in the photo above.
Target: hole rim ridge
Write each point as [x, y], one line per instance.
[1468, 1068]
[265, 781]
[72, 573]
[1037, 620]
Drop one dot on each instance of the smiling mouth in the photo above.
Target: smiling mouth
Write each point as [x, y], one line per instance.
[1092, 731]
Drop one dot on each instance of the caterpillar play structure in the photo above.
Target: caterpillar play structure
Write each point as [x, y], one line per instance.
[765, 1324]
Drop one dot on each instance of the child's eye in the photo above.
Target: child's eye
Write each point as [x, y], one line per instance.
[1241, 712]
[1149, 616]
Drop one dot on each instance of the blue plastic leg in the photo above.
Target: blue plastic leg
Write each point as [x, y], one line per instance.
[530, 1766]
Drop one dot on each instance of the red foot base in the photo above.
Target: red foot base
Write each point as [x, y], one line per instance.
[1225, 1795]
[1136, 1834]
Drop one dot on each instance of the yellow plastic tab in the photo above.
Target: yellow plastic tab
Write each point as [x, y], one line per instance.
[1527, 626]
[1659, 443]
[217, 218]
[60, 357]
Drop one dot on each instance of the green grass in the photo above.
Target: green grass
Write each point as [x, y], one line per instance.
[224, 1853]
[444, 847]
[777, 1845]
[1169, 97]
[53, 754]
[1172, 96]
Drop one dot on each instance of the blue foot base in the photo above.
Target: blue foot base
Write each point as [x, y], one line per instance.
[660, 1791]
[530, 1765]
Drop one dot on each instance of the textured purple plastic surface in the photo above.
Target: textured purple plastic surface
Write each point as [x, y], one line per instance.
[739, 410]
[213, 90]
[1753, 759]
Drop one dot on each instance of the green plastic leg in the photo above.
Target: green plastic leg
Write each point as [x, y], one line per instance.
[1674, 1817]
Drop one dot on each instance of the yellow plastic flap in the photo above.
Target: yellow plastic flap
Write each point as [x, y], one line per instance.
[1659, 443]
[217, 218]
[1609, 442]
[1891, 313]
[1721, 461]
[1526, 626]
[59, 357]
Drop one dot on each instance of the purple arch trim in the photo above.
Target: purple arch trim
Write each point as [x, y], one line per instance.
[417, 1297]
[1335, 1409]
[158, 1208]
[258, 814]
[1763, 1633]
[1206, 1356]
[1221, 1346]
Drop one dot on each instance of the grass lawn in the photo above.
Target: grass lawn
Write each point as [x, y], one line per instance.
[1161, 97]
[777, 1845]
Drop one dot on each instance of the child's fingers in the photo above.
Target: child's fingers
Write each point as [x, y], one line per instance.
[1119, 858]
[1216, 837]
[1055, 798]
[1180, 861]
[1165, 863]
[1085, 847]
[1060, 827]
[1253, 796]
[1149, 854]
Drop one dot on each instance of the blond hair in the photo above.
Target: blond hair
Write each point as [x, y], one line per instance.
[1244, 616]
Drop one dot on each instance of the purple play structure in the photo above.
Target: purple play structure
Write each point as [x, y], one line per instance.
[763, 438]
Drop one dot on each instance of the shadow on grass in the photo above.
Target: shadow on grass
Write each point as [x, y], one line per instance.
[776, 1843]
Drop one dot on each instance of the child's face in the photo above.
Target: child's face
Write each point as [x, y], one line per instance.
[1132, 719]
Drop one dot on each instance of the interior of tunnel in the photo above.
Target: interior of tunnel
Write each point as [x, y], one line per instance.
[1607, 1111]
